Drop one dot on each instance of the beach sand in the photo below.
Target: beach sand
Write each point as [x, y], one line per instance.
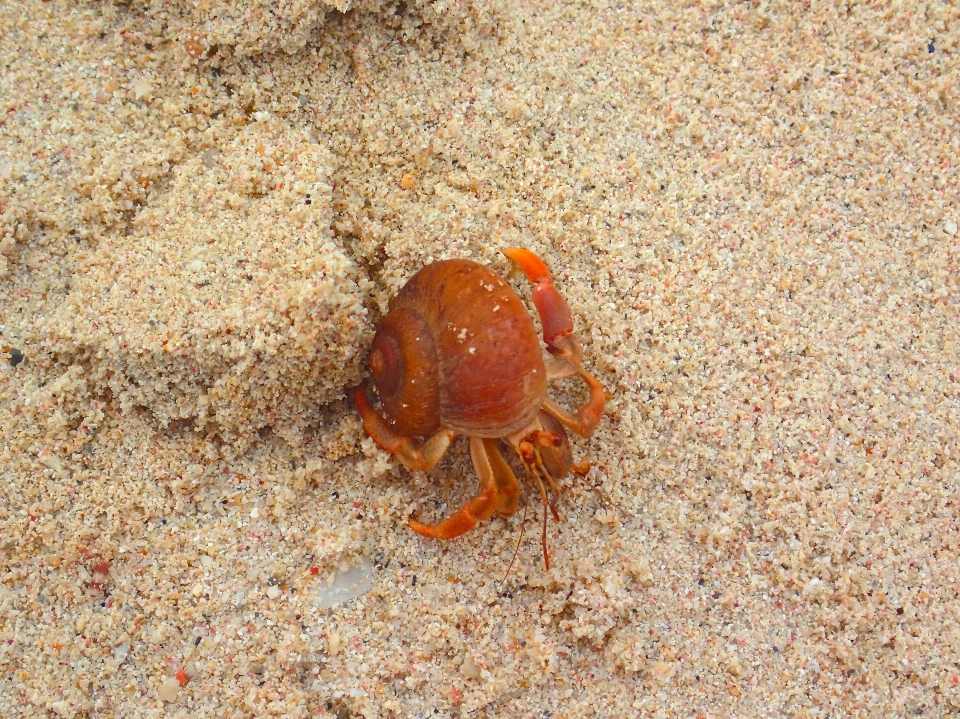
[752, 210]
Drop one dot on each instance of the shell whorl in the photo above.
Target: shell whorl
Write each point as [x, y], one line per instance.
[404, 368]
[477, 367]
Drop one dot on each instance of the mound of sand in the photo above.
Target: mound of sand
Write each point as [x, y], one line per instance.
[243, 28]
[227, 301]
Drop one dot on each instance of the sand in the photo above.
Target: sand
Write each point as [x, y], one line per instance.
[752, 210]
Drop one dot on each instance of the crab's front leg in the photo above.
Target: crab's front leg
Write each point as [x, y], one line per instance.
[554, 313]
[562, 343]
[412, 453]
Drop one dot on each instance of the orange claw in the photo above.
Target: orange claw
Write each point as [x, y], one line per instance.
[561, 342]
[552, 308]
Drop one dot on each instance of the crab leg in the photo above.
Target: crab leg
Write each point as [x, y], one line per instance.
[507, 484]
[479, 507]
[412, 453]
[586, 419]
[554, 314]
[562, 343]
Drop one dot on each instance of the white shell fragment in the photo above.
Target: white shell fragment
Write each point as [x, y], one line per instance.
[346, 585]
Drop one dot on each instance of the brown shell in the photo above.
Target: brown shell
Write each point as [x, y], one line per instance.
[477, 345]
[403, 365]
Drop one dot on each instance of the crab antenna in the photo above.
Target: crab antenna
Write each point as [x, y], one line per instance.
[516, 551]
[554, 488]
[543, 538]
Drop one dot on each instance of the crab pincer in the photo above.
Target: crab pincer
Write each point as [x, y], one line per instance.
[561, 342]
[554, 313]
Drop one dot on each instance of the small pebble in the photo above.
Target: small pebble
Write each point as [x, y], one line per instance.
[194, 48]
[273, 592]
[142, 89]
[333, 644]
[169, 689]
[345, 586]
[470, 669]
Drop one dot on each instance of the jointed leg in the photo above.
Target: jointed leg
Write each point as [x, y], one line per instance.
[412, 453]
[554, 313]
[507, 485]
[559, 367]
[562, 343]
[584, 421]
[481, 506]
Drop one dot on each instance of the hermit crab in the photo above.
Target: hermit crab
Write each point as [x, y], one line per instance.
[456, 354]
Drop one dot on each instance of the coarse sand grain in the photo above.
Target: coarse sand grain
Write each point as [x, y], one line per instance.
[752, 210]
